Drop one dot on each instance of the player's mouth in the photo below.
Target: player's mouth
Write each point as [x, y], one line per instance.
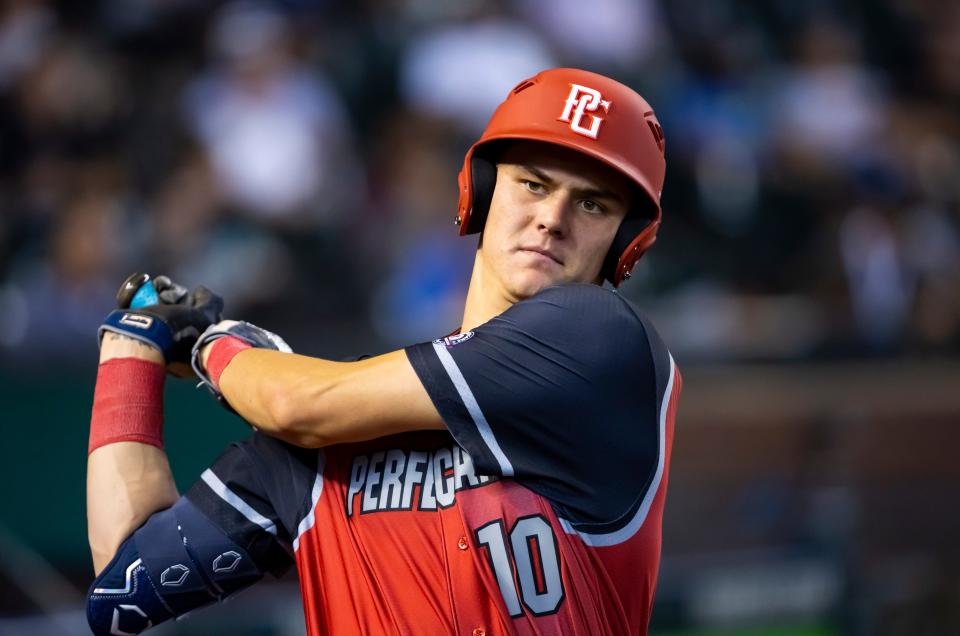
[543, 252]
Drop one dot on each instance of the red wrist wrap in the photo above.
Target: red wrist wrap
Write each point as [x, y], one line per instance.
[127, 403]
[221, 353]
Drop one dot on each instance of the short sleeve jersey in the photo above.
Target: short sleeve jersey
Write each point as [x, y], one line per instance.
[538, 512]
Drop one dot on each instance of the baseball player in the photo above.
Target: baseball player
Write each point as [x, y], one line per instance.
[505, 479]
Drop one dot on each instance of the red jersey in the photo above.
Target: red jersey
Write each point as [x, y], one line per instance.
[539, 512]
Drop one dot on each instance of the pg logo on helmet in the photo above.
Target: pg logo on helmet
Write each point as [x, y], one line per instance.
[580, 101]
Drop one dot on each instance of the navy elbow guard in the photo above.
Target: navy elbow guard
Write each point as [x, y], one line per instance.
[176, 562]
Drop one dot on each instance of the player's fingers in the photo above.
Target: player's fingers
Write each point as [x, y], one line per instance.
[172, 296]
[168, 291]
[129, 288]
[201, 296]
[206, 301]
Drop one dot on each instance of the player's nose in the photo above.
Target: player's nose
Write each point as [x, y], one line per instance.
[552, 214]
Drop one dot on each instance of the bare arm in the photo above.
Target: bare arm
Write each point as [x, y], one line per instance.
[126, 481]
[313, 402]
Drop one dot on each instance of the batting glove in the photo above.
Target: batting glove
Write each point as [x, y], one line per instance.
[171, 326]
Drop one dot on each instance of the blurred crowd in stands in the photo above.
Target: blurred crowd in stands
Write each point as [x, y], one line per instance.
[300, 158]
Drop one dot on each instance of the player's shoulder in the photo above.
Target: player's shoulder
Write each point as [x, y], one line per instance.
[586, 297]
[587, 305]
[583, 315]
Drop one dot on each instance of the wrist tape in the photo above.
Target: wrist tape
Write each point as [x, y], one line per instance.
[222, 352]
[127, 403]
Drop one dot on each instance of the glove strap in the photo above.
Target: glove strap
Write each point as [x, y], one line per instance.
[147, 329]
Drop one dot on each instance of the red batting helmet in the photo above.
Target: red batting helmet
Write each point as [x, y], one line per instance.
[592, 114]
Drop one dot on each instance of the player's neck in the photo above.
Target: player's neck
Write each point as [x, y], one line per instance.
[486, 297]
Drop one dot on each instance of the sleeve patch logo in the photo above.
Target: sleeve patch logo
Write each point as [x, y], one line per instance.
[137, 321]
[452, 341]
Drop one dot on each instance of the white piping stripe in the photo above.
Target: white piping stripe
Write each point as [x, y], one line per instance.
[506, 468]
[239, 504]
[624, 533]
[311, 518]
[128, 584]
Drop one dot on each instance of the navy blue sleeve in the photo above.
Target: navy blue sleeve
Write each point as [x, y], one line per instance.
[562, 392]
[258, 492]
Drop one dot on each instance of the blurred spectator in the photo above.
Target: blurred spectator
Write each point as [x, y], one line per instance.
[830, 107]
[275, 131]
[881, 286]
[462, 71]
[54, 304]
[25, 27]
[932, 244]
[943, 49]
[619, 32]
[72, 97]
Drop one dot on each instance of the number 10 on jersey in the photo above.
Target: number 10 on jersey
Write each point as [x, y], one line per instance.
[530, 551]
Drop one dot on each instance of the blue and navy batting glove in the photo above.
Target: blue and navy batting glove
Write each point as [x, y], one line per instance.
[251, 334]
[172, 324]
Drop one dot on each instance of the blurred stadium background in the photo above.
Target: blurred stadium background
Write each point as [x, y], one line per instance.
[300, 158]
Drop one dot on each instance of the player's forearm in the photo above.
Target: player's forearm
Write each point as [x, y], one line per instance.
[280, 393]
[127, 481]
[312, 402]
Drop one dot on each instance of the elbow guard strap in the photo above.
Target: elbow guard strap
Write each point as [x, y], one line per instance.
[176, 562]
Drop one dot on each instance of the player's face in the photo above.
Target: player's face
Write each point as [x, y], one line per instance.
[552, 218]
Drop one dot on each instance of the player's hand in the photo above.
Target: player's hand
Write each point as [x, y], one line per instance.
[168, 291]
[251, 334]
[171, 326]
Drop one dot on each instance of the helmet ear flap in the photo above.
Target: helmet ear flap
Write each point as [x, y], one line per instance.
[483, 175]
[637, 232]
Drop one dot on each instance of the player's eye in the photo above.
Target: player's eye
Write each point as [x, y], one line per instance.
[534, 186]
[591, 206]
